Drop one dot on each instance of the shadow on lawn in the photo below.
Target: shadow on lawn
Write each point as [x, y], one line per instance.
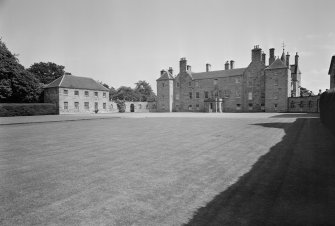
[293, 184]
[297, 115]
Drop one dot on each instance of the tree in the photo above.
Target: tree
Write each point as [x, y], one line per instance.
[144, 91]
[126, 93]
[46, 72]
[16, 83]
[112, 93]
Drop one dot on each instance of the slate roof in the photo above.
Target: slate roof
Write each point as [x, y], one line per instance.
[165, 76]
[76, 82]
[332, 65]
[277, 64]
[218, 74]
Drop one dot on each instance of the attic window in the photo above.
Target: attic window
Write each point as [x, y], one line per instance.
[96, 94]
[104, 95]
[86, 93]
[66, 92]
[76, 93]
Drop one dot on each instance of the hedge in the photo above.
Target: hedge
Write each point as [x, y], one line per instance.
[21, 109]
[327, 109]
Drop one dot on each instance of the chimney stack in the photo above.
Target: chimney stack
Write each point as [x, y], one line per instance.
[288, 60]
[264, 58]
[296, 59]
[162, 72]
[171, 70]
[188, 68]
[208, 67]
[182, 64]
[226, 65]
[232, 64]
[272, 56]
[256, 54]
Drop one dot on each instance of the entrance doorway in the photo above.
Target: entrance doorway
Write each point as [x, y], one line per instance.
[132, 108]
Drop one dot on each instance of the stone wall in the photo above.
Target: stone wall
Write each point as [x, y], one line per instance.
[277, 89]
[303, 104]
[164, 95]
[134, 106]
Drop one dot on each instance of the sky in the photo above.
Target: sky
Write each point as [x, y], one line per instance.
[120, 42]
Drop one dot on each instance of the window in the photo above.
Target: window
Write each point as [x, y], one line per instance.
[197, 95]
[196, 83]
[190, 94]
[250, 106]
[66, 92]
[177, 96]
[104, 106]
[237, 80]
[250, 96]
[215, 82]
[276, 105]
[87, 105]
[197, 106]
[178, 84]
[206, 94]
[238, 107]
[163, 84]
[292, 104]
[86, 93]
[76, 93]
[190, 84]
[104, 95]
[190, 107]
[66, 105]
[301, 104]
[276, 81]
[237, 93]
[96, 94]
[76, 105]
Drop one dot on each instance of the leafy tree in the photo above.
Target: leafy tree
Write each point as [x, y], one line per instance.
[112, 93]
[126, 93]
[144, 91]
[46, 72]
[16, 84]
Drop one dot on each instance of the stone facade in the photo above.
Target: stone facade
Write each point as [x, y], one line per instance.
[73, 94]
[249, 89]
[304, 104]
[79, 100]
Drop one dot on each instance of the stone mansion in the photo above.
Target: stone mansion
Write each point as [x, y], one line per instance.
[260, 86]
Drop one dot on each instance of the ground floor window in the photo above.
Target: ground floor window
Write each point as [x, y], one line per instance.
[197, 106]
[76, 105]
[190, 107]
[250, 106]
[238, 107]
[87, 105]
[275, 106]
[292, 104]
[104, 106]
[66, 105]
[206, 94]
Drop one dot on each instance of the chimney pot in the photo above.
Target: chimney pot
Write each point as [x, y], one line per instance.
[171, 70]
[272, 57]
[208, 67]
[232, 64]
[188, 68]
[226, 65]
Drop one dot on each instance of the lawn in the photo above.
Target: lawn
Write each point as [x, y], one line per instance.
[151, 171]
